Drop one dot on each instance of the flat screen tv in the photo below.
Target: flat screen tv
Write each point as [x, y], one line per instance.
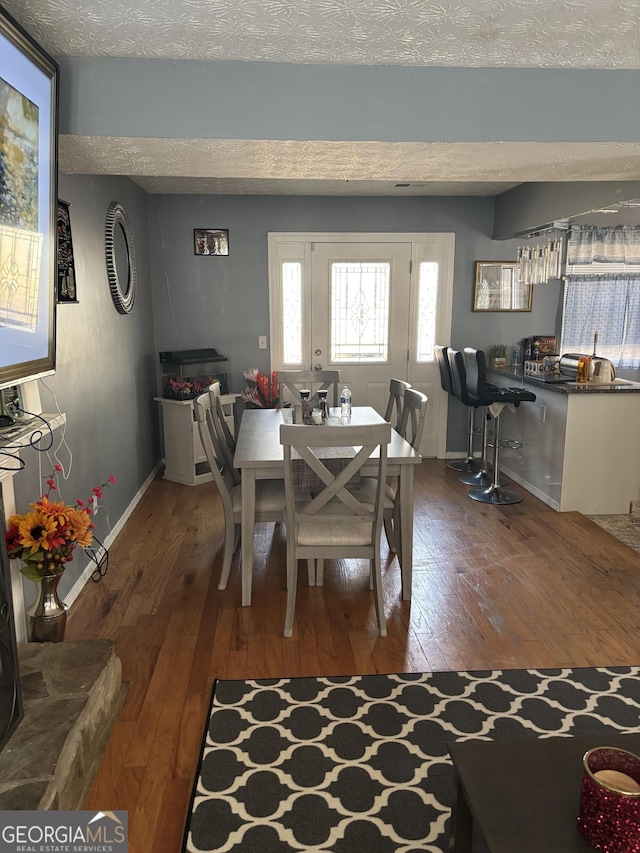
[28, 205]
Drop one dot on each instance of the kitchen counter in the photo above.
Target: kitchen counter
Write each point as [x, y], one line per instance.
[580, 443]
[564, 386]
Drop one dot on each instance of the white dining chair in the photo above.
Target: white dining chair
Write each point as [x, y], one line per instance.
[226, 447]
[395, 404]
[291, 381]
[411, 428]
[270, 494]
[333, 522]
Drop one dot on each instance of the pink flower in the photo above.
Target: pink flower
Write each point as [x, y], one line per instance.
[112, 479]
[57, 467]
[97, 491]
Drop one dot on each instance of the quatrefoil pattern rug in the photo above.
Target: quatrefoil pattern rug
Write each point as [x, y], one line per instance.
[357, 765]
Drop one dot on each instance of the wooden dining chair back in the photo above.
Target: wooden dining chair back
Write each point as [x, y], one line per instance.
[270, 496]
[215, 390]
[291, 381]
[337, 520]
[215, 417]
[395, 404]
[410, 427]
[414, 415]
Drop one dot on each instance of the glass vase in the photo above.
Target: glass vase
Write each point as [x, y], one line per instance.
[47, 616]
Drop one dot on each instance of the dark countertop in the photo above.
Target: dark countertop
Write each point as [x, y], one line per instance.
[618, 386]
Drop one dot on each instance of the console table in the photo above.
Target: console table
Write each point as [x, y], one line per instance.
[184, 457]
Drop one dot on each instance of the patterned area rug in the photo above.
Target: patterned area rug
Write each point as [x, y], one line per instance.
[356, 765]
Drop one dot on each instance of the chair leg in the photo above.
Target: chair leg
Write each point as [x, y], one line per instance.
[482, 479]
[231, 541]
[469, 465]
[311, 571]
[388, 532]
[376, 574]
[292, 583]
[319, 572]
[494, 494]
[396, 527]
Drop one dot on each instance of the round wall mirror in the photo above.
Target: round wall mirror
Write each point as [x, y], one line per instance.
[121, 258]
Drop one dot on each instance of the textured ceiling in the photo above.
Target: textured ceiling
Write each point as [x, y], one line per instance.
[467, 33]
[471, 33]
[344, 168]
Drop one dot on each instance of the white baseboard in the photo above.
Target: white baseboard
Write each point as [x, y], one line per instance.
[90, 568]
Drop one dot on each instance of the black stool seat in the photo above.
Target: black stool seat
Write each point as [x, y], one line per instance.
[476, 367]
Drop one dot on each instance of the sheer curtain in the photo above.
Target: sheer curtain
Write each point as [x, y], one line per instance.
[590, 244]
[602, 293]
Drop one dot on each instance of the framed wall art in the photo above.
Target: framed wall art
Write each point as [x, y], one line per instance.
[28, 204]
[211, 241]
[497, 289]
[66, 288]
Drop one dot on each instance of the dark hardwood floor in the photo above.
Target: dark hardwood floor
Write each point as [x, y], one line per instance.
[494, 588]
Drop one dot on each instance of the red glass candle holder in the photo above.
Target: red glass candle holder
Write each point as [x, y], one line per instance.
[609, 816]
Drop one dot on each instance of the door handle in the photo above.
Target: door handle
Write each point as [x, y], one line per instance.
[317, 367]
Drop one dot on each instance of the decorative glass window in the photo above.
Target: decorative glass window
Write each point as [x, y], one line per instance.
[360, 311]
[427, 302]
[292, 312]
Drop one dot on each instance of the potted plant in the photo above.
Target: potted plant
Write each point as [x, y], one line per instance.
[44, 539]
[498, 355]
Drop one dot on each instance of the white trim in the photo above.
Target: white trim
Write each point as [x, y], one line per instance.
[299, 246]
[81, 582]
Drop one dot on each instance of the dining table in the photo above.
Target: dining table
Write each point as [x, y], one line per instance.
[259, 455]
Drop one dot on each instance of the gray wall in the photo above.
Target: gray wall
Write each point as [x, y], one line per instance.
[105, 377]
[224, 301]
[266, 100]
[530, 206]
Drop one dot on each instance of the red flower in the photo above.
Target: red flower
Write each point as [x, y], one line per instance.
[262, 390]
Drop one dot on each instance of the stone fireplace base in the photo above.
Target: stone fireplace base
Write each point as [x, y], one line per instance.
[72, 693]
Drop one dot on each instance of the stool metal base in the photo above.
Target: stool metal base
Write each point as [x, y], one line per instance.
[467, 466]
[481, 480]
[495, 495]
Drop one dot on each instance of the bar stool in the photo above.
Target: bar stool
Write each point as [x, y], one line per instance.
[470, 464]
[496, 398]
[482, 477]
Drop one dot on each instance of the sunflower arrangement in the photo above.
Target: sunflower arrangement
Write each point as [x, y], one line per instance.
[262, 390]
[46, 537]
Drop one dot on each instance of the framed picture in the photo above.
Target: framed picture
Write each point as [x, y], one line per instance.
[496, 288]
[28, 203]
[66, 289]
[211, 241]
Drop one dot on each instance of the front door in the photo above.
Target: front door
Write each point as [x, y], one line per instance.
[360, 315]
[372, 306]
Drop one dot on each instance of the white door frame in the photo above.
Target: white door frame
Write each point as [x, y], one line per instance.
[304, 239]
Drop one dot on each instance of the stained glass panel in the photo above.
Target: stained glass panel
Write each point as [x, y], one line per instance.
[360, 311]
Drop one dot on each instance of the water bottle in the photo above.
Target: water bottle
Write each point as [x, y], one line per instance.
[345, 402]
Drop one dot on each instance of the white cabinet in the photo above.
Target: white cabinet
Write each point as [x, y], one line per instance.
[580, 450]
[184, 457]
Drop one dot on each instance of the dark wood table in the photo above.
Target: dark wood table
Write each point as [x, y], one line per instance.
[523, 793]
